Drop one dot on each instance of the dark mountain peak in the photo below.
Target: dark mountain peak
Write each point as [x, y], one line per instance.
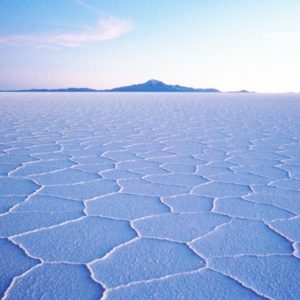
[154, 85]
[154, 82]
[242, 91]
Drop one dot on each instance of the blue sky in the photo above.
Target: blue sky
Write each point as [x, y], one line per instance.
[226, 44]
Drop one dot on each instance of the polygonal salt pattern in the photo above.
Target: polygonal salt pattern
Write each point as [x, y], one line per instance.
[126, 206]
[182, 227]
[237, 236]
[149, 196]
[13, 263]
[206, 284]
[153, 259]
[49, 281]
[272, 276]
[79, 241]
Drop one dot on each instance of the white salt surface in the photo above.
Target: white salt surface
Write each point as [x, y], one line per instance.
[149, 196]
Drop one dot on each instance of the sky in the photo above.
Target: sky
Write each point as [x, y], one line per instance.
[225, 44]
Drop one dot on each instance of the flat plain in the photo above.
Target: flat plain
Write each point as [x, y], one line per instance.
[149, 196]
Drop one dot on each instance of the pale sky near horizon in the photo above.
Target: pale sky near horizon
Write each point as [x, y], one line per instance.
[225, 44]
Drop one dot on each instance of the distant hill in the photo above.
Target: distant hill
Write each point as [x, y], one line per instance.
[149, 86]
[159, 86]
[58, 90]
[241, 91]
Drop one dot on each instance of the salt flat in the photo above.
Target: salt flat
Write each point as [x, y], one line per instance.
[149, 196]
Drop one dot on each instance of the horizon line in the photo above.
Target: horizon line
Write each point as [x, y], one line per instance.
[189, 89]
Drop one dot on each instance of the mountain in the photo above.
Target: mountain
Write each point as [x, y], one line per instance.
[149, 86]
[158, 86]
[58, 90]
[241, 91]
